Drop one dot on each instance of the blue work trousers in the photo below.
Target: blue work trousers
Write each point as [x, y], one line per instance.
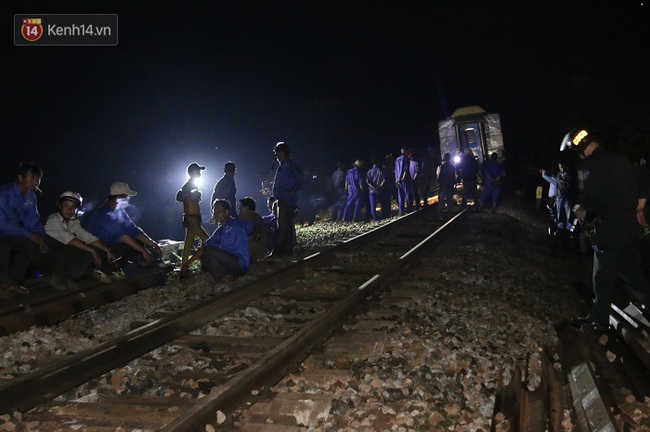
[405, 197]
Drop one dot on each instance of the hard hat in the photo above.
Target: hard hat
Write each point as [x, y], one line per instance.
[281, 147]
[70, 196]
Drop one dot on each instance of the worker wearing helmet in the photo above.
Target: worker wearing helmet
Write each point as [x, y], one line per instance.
[614, 194]
[112, 225]
[73, 251]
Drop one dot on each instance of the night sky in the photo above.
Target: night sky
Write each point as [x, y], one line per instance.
[334, 80]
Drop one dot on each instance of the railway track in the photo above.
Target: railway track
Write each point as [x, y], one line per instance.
[589, 382]
[44, 305]
[593, 381]
[190, 356]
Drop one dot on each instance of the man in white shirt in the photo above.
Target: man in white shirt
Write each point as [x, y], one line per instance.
[73, 251]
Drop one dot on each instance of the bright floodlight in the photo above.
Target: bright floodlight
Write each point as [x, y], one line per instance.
[197, 181]
[456, 159]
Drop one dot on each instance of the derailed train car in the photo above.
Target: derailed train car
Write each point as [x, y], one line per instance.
[471, 128]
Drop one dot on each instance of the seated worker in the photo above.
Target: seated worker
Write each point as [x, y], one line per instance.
[257, 241]
[21, 231]
[72, 251]
[190, 196]
[113, 227]
[225, 255]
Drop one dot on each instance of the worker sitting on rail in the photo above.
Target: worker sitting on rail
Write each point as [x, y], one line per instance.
[73, 252]
[21, 231]
[257, 241]
[113, 226]
[225, 255]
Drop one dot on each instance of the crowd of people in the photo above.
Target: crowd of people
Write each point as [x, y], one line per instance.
[408, 181]
[107, 245]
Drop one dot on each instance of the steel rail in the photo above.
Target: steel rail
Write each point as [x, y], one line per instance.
[26, 392]
[204, 411]
[589, 406]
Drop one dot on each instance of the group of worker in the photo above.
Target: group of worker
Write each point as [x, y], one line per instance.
[62, 248]
[109, 243]
[245, 236]
[408, 180]
[65, 251]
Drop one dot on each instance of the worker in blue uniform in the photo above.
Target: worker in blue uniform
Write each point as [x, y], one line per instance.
[355, 184]
[287, 182]
[226, 254]
[21, 232]
[375, 180]
[403, 181]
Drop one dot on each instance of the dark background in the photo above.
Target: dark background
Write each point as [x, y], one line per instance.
[218, 81]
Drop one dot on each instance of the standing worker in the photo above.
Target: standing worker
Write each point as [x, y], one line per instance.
[287, 182]
[389, 186]
[414, 171]
[190, 195]
[225, 187]
[468, 170]
[375, 179]
[446, 180]
[617, 196]
[561, 185]
[403, 181]
[492, 178]
[355, 184]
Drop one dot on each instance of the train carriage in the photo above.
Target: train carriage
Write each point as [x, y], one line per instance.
[471, 128]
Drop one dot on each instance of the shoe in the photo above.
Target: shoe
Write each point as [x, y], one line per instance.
[118, 276]
[167, 267]
[587, 322]
[101, 276]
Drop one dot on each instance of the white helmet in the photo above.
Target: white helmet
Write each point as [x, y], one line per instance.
[70, 196]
